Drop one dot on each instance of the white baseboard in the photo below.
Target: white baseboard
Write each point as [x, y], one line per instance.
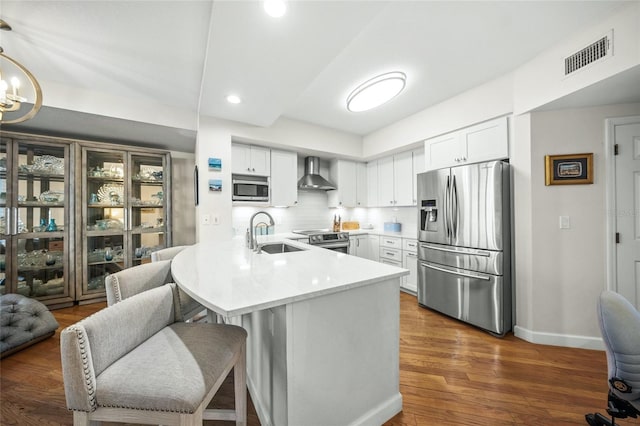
[380, 414]
[555, 339]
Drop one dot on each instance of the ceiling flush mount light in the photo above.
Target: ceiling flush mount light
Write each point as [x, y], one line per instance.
[275, 8]
[234, 99]
[11, 96]
[376, 91]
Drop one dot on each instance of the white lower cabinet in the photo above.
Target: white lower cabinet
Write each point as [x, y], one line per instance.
[396, 251]
[391, 250]
[358, 246]
[373, 241]
[410, 262]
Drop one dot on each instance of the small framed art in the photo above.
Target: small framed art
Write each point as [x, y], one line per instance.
[215, 164]
[215, 185]
[571, 169]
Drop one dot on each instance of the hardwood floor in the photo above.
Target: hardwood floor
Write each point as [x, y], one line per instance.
[450, 374]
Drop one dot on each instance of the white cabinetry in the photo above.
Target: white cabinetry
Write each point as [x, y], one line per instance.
[373, 242]
[372, 184]
[483, 142]
[391, 250]
[343, 174]
[250, 160]
[403, 179]
[359, 246]
[395, 180]
[418, 167]
[385, 182]
[410, 262]
[284, 178]
[361, 185]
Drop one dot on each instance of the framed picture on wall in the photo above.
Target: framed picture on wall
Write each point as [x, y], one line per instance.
[568, 169]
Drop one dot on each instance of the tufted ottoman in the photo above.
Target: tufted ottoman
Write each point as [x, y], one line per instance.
[23, 322]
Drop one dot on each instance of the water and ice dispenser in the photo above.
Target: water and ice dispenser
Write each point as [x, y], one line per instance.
[428, 215]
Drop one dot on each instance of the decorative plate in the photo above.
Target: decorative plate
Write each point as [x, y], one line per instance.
[52, 197]
[111, 194]
[48, 164]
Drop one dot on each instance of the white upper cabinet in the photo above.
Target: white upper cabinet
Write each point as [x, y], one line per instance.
[372, 184]
[284, 178]
[386, 197]
[343, 174]
[418, 167]
[396, 180]
[361, 185]
[403, 179]
[250, 160]
[483, 142]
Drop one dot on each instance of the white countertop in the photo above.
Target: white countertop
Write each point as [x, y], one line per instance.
[232, 280]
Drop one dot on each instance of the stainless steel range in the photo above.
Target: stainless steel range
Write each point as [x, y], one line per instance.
[337, 241]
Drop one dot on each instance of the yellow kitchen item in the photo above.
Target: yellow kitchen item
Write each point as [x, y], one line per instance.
[350, 226]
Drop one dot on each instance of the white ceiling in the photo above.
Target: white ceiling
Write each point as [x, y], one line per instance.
[191, 54]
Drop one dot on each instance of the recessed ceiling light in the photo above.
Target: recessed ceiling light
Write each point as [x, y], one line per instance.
[376, 91]
[275, 8]
[234, 99]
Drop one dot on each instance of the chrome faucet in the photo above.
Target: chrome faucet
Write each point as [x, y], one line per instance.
[253, 245]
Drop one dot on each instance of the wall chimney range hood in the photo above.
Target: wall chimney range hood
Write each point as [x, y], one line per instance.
[311, 178]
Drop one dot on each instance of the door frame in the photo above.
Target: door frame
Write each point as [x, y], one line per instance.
[610, 176]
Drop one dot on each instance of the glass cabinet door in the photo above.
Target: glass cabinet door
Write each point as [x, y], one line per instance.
[104, 218]
[4, 216]
[147, 206]
[41, 221]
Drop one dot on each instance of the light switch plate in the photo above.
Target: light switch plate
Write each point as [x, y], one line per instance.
[565, 222]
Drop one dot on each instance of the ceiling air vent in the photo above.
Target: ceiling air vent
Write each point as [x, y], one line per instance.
[595, 51]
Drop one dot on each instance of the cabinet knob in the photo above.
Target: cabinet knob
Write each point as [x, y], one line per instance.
[253, 170]
[248, 169]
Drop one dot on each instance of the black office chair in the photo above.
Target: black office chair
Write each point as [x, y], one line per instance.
[620, 327]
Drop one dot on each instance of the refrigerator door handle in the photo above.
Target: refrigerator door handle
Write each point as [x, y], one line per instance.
[462, 274]
[458, 251]
[447, 210]
[454, 210]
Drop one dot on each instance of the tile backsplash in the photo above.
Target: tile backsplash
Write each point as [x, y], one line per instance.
[312, 213]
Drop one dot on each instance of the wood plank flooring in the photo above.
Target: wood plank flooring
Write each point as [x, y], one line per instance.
[451, 374]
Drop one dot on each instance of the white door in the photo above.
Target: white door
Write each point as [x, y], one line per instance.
[627, 166]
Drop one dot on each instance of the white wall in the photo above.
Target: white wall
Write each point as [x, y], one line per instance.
[482, 103]
[558, 289]
[542, 80]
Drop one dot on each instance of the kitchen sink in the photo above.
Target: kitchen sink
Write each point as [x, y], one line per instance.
[273, 248]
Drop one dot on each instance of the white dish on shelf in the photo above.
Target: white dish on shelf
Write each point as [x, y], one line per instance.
[111, 194]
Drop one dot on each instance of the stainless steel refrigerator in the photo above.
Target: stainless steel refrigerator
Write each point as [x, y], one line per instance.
[464, 267]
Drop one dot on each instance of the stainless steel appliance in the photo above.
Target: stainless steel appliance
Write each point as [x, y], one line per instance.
[464, 267]
[337, 241]
[250, 188]
[311, 178]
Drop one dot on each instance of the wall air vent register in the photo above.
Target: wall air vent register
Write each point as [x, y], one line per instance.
[597, 50]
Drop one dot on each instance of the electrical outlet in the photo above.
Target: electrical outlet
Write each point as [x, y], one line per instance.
[216, 220]
[206, 219]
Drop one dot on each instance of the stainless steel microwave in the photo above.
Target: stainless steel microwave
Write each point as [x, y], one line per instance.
[250, 188]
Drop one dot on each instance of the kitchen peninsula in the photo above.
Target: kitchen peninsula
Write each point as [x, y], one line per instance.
[323, 346]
